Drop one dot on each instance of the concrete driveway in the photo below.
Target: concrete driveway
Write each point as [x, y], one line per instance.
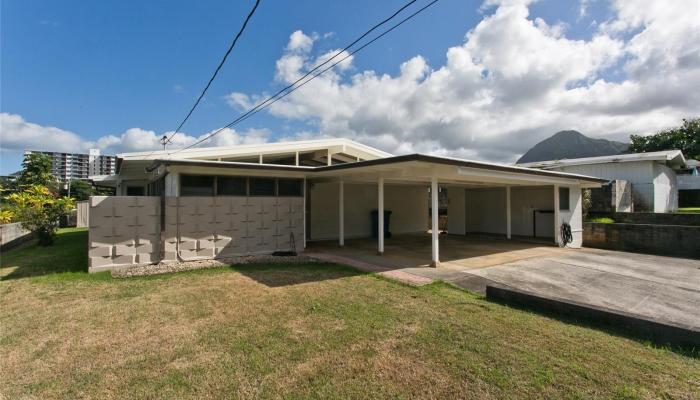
[663, 289]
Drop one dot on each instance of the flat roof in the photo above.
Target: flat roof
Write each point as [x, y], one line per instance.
[674, 157]
[382, 161]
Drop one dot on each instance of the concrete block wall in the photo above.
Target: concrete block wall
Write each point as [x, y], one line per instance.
[210, 227]
[124, 230]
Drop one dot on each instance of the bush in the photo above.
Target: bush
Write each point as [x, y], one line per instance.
[39, 211]
[601, 220]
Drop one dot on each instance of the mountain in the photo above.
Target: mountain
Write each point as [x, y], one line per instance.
[571, 144]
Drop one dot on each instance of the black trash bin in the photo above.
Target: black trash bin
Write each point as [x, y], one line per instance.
[375, 223]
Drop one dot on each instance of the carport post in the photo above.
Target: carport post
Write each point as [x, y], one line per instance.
[556, 214]
[508, 219]
[341, 213]
[435, 217]
[380, 215]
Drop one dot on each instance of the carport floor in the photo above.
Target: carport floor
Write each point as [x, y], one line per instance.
[663, 289]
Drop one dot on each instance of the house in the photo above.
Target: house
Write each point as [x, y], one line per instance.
[204, 203]
[653, 175]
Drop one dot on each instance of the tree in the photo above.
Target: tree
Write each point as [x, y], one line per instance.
[37, 171]
[39, 211]
[685, 138]
[79, 190]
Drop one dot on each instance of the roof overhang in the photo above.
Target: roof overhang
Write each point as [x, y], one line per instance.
[672, 158]
[408, 168]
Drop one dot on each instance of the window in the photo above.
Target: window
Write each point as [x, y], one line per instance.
[563, 199]
[196, 185]
[134, 190]
[289, 187]
[231, 186]
[262, 187]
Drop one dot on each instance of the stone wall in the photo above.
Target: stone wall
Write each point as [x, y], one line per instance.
[668, 240]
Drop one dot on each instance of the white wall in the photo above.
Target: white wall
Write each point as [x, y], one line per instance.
[665, 189]
[409, 206]
[526, 199]
[486, 210]
[456, 210]
[574, 216]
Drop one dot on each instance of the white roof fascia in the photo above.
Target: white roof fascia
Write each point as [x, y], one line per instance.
[255, 149]
[674, 157]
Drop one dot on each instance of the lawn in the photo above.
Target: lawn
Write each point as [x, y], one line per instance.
[299, 331]
[689, 210]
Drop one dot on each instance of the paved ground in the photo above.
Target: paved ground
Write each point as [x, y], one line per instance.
[664, 289]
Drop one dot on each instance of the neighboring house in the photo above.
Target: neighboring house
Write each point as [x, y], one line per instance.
[689, 184]
[223, 201]
[74, 166]
[653, 175]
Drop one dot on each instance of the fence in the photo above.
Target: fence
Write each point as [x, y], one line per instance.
[127, 230]
[83, 214]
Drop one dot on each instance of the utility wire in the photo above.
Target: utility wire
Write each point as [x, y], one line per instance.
[280, 95]
[221, 64]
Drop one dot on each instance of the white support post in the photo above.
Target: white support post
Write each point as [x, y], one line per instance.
[260, 160]
[556, 214]
[341, 213]
[435, 222]
[508, 217]
[380, 216]
[330, 157]
[296, 158]
[304, 214]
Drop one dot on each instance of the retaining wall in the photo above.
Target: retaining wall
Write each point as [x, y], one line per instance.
[12, 235]
[667, 240]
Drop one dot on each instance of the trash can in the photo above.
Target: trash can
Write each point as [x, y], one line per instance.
[375, 223]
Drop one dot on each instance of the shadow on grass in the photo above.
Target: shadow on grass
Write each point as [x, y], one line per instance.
[285, 274]
[67, 255]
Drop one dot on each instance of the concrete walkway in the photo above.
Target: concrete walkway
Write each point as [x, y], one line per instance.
[662, 289]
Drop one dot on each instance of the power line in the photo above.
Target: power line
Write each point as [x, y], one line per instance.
[279, 96]
[223, 60]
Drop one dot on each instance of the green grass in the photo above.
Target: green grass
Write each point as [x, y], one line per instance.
[300, 331]
[601, 220]
[689, 210]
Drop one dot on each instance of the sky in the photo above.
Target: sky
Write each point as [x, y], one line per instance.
[481, 80]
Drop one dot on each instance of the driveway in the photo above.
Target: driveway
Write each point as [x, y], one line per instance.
[663, 289]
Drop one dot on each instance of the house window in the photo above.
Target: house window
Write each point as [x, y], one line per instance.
[231, 186]
[262, 187]
[196, 185]
[289, 187]
[563, 199]
[134, 190]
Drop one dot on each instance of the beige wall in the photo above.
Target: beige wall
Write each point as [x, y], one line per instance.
[210, 227]
[126, 230]
[408, 203]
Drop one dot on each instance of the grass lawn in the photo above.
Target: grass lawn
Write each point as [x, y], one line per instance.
[689, 210]
[297, 332]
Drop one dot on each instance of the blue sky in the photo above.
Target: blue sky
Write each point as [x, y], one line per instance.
[100, 68]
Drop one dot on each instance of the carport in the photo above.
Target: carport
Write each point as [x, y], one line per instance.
[483, 199]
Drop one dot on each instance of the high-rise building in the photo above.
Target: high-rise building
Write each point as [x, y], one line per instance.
[72, 166]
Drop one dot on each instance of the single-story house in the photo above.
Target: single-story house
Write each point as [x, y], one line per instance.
[249, 199]
[652, 175]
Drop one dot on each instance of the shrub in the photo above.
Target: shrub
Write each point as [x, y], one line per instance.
[602, 220]
[39, 211]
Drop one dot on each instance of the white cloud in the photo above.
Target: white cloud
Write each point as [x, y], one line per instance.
[514, 81]
[19, 135]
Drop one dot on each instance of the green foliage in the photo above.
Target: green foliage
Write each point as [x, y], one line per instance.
[79, 190]
[37, 171]
[39, 210]
[689, 210]
[587, 202]
[685, 138]
[602, 220]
